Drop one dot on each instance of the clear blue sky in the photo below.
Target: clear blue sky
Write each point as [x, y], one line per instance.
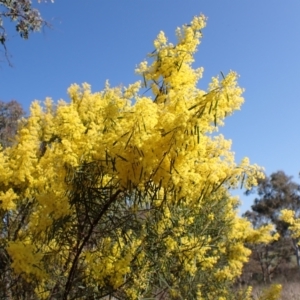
[95, 40]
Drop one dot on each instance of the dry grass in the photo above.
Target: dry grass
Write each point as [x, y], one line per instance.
[290, 281]
[287, 274]
[290, 291]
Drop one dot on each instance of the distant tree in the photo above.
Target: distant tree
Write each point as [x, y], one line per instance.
[276, 193]
[265, 258]
[27, 18]
[10, 113]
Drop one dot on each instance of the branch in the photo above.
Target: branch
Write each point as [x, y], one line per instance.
[85, 240]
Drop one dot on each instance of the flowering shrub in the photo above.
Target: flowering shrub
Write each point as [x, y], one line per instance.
[118, 193]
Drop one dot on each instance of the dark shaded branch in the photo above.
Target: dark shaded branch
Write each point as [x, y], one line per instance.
[84, 242]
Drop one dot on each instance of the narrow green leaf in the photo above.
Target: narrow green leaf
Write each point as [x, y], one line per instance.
[160, 184]
[166, 133]
[113, 161]
[123, 158]
[141, 174]
[202, 111]
[192, 107]
[242, 183]
[179, 67]
[133, 170]
[210, 107]
[216, 105]
[145, 82]
[125, 134]
[129, 139]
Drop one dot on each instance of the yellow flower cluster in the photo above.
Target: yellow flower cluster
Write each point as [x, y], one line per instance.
[26, 260]
[7, 199]
[272, 293]
[289, 217]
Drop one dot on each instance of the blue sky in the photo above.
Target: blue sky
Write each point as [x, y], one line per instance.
[94, 40]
